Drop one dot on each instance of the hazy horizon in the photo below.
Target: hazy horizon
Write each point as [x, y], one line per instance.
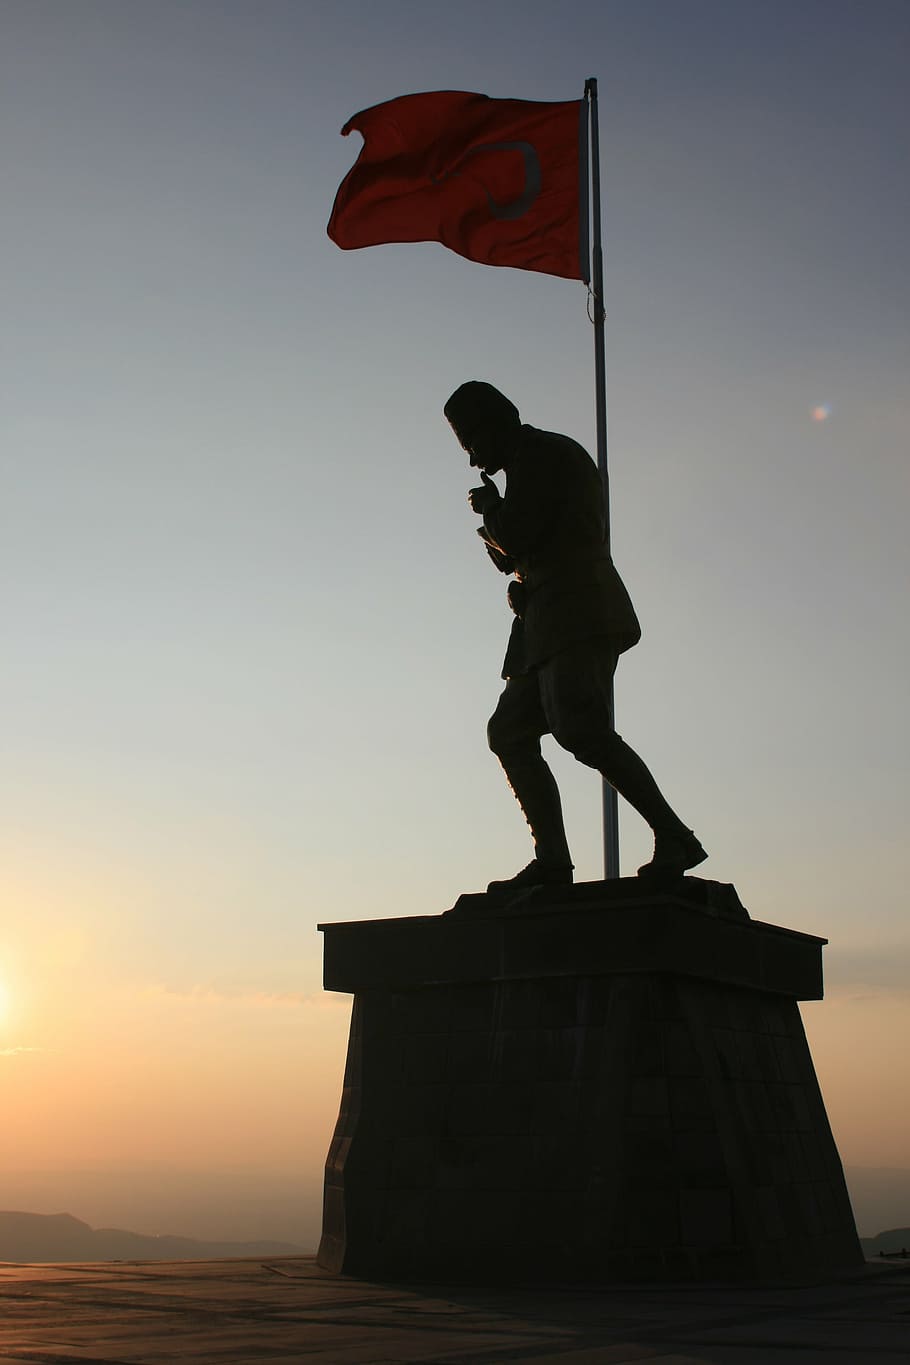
[248, 1206]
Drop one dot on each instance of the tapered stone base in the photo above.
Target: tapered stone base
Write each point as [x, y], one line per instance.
[605, 1083]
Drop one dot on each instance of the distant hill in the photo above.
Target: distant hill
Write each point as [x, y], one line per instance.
[896, 1239]
[880, 1197]
[60, 1237]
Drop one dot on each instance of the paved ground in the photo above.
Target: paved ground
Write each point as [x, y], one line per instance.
[287, 1311]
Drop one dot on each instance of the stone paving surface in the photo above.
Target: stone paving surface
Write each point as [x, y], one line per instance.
[289, 1312]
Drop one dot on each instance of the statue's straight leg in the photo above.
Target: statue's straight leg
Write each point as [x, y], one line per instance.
[514, 734]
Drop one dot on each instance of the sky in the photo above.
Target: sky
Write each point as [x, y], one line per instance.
[250, 639]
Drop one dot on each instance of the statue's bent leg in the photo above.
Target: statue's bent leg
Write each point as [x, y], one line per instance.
[575, 694]
[513, 734]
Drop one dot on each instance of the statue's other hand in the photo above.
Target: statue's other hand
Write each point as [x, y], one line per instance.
[517, 595]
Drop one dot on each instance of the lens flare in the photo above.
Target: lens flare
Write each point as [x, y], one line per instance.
[821, 413]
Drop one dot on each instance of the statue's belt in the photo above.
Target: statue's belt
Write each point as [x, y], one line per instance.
[573, 573]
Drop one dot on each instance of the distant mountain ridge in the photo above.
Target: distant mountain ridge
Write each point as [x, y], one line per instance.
[894, 1240]
[49, 1237]
[41, 1237]
[880, 1196]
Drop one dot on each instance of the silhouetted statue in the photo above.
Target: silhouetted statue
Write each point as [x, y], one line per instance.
[573, 618]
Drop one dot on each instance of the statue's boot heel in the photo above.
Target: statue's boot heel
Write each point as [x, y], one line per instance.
[535, 874]
[674, 854]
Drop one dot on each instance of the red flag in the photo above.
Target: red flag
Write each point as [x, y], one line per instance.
[498, 181]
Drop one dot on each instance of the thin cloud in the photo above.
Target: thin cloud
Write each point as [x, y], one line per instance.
[18, 1051]
[864, 993]
[212, 995]
[878, 972]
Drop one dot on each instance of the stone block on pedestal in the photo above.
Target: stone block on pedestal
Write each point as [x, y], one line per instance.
[605, 1081]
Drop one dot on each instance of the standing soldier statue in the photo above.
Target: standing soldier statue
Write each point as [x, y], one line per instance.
[573, 619]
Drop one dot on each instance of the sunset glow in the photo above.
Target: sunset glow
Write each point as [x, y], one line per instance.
[251, 638]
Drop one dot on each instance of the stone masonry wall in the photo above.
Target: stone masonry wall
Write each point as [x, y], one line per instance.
[621, 1126]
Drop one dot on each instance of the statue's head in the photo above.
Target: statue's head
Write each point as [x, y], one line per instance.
[486, 423]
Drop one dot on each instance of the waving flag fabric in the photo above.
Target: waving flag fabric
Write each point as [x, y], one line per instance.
[502, 182]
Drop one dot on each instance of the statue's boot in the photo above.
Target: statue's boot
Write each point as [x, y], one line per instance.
[673, 854]
[538, 795]
[535, 874]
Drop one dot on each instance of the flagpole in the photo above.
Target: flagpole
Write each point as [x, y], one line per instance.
[610, 804]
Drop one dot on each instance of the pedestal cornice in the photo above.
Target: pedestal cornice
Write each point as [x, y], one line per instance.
[696, 929]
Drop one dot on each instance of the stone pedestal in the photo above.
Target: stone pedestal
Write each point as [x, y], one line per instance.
[604, 1082]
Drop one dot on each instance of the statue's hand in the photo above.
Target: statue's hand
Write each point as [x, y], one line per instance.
[483, 498]
[502, 561]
